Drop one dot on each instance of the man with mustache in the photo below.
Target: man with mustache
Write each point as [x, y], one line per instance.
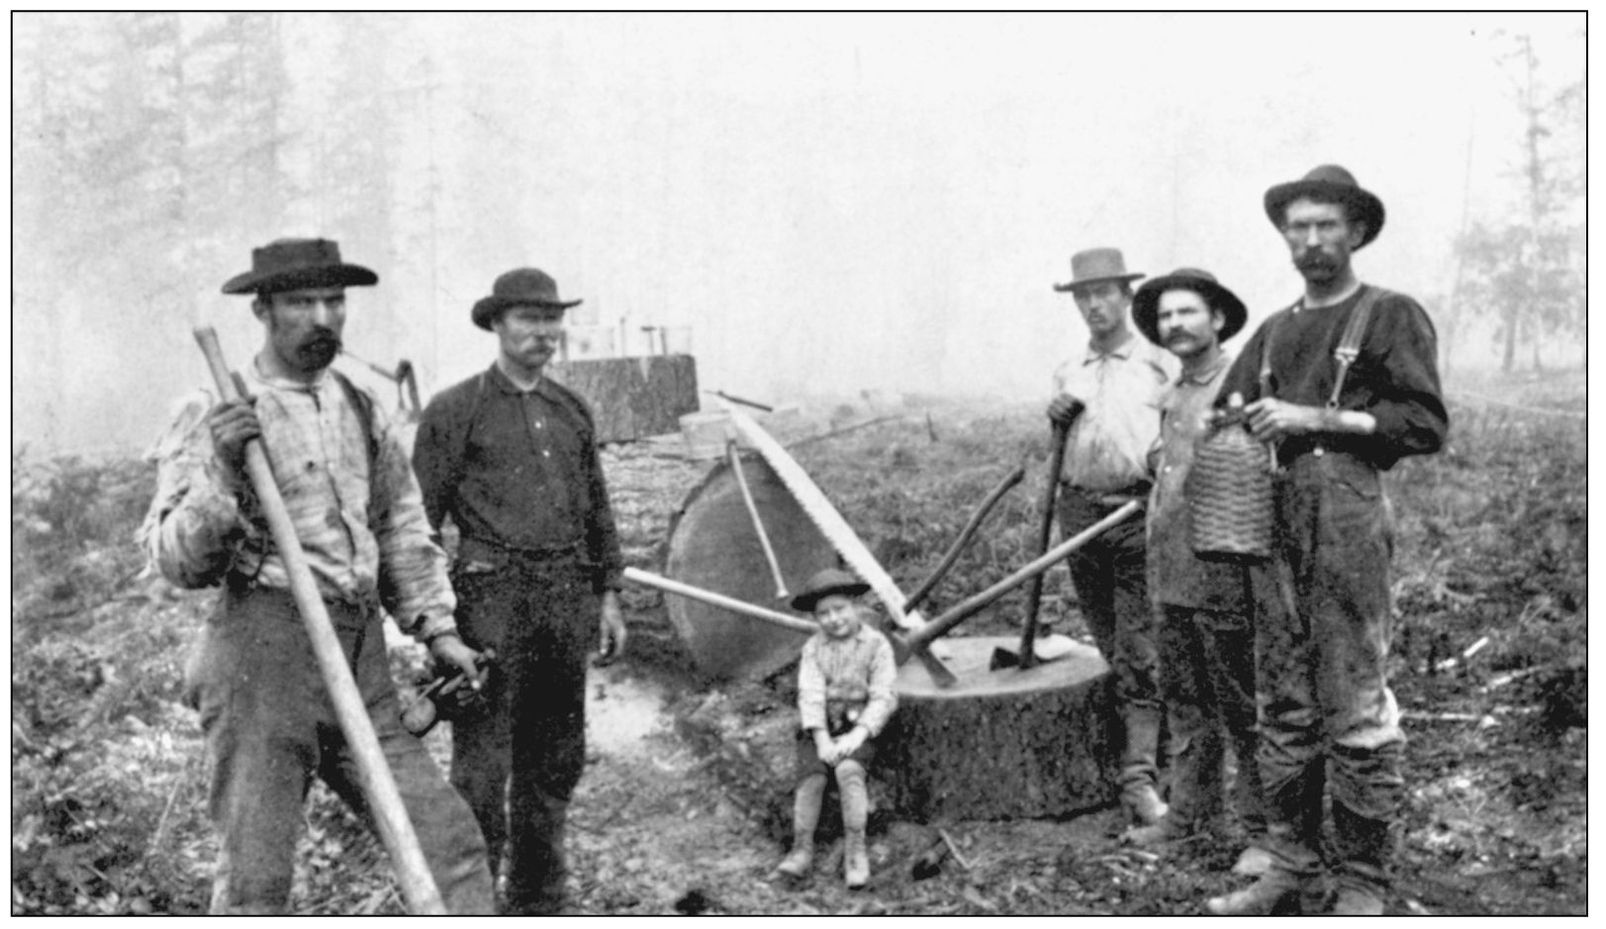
[345, 479]
[1205, 610]
[511, 459]
[1109, 397]
[1337, 418]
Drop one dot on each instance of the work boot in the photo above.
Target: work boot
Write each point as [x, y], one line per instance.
[1252, 862]
[805, 817]
[855, 859]
[1276, 891]
[1143, 802]
[1168, 829]
[1357, 901]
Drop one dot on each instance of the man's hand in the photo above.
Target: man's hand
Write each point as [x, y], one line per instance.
[1271, 419]
[613, 630]
[233, 423]
[1064, 409]
[450, 650]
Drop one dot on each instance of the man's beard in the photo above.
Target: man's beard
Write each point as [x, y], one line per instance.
[1317, 267]
[319, 351]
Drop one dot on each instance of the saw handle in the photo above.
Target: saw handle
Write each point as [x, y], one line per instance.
[965, 535]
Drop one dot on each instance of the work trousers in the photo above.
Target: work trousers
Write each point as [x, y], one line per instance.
[1322, 645]
[518, 761]
[1207, 677]
[270, 726]
[1112, 589]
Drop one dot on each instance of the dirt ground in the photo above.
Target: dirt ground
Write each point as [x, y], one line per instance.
[676, 814]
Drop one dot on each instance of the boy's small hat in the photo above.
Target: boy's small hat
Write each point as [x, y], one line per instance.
[827, 582]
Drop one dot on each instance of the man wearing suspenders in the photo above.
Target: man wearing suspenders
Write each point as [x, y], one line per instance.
[1343, 384]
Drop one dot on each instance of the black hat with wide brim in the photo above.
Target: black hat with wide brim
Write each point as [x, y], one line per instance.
[519, 287]
[828, 582]
[1146, 302]
[294, 264]
[1329, 182]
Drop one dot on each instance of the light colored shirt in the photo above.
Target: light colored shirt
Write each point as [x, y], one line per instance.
[849, 680]
[1176, 575]
[204, 522]
[1108, 447]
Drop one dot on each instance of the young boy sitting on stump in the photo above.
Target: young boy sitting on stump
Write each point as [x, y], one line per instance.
[844, 699]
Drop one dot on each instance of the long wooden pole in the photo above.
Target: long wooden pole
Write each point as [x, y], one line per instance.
[740, 607]
[1045, 535]
[735, 459]
[378, 786]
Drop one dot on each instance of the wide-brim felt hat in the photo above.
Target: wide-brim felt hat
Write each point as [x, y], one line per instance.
[1146, 302]
[293, 264]
[1329, 182]
[1097, 264]
[519, 287]
[827, 582]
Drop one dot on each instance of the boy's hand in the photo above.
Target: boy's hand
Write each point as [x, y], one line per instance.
[849, 744]
[824, 747]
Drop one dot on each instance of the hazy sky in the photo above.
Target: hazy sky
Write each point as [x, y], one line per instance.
[837, 202]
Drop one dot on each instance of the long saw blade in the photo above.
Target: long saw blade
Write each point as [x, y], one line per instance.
[824, 516]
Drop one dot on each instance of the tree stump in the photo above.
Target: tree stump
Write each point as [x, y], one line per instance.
[631, 398]
[713, 545]
[1006, 744]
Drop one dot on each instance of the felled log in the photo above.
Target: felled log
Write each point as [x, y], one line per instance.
[713, 545]
[1005, 744]
[632, 398]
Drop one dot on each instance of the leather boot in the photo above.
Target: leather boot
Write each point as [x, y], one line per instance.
[1276, 892]
[1168, 829]
[805, 817]
[1143, 803]
[855, 859]
[1357, 901]
[1252, 862]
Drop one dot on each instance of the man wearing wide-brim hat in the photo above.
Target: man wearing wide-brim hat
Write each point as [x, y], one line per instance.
[510, 458]
[1204, 609]
[350, 492]
[1108, 396]
[1342, 384]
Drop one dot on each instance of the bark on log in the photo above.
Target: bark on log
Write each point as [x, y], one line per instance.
[713, 545]
[632, 398]
[1006, 744]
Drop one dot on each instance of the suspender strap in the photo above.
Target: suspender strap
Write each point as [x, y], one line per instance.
[1349, 347]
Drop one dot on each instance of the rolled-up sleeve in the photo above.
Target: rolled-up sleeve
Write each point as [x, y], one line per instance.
[194, 526]
[413, 585]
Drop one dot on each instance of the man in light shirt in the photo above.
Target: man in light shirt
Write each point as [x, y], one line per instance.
[1109, 395]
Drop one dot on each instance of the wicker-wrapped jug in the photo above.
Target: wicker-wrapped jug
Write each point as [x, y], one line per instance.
[1229, 493]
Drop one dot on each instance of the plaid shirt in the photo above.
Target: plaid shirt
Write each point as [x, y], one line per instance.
[845, 681]
[360, 539]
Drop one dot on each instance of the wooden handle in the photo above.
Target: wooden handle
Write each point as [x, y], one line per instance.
[735, 459]
[378, 786]
[976, 603]
[1045, 535]
[965, 535]
[740, 607]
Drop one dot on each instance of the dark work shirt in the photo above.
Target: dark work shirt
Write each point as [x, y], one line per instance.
[517, 471]
[1395, 378]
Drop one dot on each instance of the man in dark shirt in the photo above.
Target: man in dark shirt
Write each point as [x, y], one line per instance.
[1322, 641]
[511, 458]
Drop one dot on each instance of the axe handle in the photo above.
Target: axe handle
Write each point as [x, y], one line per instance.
[735, 459]
[976, 603]
[741, 607]
[1045, 535]
[378, 785]
[965, 535]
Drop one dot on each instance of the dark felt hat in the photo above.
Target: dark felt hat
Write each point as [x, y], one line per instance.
[1146, 302]
[292, 264]
[519, 287]
[1097, 264]
[827, 582]
[1329, 182]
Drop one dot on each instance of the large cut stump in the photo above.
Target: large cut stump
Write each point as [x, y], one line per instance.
[1006, 744]
[632, 398]
[713, 545]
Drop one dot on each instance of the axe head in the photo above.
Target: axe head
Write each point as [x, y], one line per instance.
[1048, 648]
